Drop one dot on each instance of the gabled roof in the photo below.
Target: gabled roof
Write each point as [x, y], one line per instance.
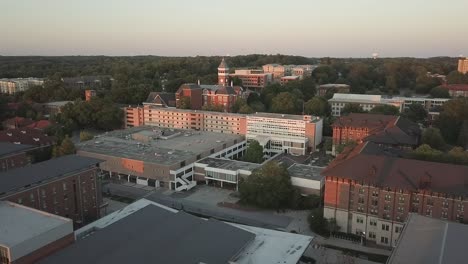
[26, 135]
[165, 99]
[18, 121]
[375, 165]
[383, 129]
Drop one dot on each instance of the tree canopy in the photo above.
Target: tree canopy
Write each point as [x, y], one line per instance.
[267, 187]
[415, 113]
[254, 152]
[385, 110]
[439, 92]
[352, 108]
[317, 106]
[432, 137]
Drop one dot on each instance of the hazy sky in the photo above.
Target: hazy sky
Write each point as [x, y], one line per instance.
[315, 28]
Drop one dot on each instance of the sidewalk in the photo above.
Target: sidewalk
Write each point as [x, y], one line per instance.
[345, 244]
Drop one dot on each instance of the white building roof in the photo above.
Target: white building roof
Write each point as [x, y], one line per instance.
[19, 223]
[356, 98]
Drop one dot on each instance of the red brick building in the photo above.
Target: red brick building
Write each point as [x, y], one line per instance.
[370, 192]
[65, 186]
[385, 130]
[14, 156]
[457, 90]
[189, 96]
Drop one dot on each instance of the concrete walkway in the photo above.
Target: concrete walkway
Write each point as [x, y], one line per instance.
[345, 244]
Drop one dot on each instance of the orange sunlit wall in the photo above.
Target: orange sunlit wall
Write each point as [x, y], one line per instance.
[133, 165]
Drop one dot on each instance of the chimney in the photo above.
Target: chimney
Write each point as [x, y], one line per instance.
[232, 83]
[198, 81]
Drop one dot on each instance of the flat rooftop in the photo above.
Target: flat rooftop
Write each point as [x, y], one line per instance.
[334, 85]
[268, 246]
[57, 103]
[426, 240]
[305, 171]
[20, 223]
[155, 235]
[183, 145]
[227, 164]
[10, 148]
[43, 171]
[279, 116]
[356, 98]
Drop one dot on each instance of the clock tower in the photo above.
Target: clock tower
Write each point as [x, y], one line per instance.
[223, 73]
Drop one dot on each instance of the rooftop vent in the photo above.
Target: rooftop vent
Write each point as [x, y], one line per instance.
[23, 132]
[9, 134]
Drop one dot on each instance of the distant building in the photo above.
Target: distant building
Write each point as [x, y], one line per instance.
[12, 86]
[456, 90]
[149, 232]
[285, 79]
[14, 155]
[53, 108]
[89, 94]
[370, 192]
[278, 71]
[253, 79]
[86, 82]
[65, 186]
[189, 96]
[161, 99]
[303, 71]
[463, 65]
[278, 133]
[426, 240]
[28, 235]
[332, 88]
[384, 130]
[368, 102]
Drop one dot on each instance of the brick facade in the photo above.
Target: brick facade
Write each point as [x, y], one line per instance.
[77, 196]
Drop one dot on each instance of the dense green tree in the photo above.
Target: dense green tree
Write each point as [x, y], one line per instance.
[285, 103]
[254, 152]
[450, 122]
[456, 77]
[85, 136]
[385, 110]
[352, 108]
[425, 152]
[432, 137]
[267, 187]
[439, 92]
[213, 107]
[324, 74]
[317, 106]
[238, 104]
[65, 148]
[185, 103]
[415, 113]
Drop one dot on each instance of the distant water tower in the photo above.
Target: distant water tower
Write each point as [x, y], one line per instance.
[375, 55]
